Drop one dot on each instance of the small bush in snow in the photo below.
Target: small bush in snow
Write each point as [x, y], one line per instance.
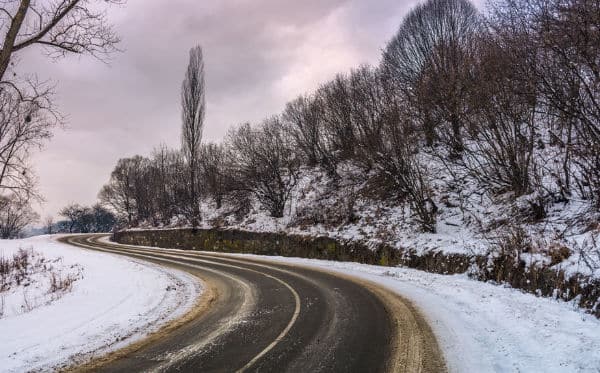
[27, 273]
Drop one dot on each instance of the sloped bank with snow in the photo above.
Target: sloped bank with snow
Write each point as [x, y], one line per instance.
[543, 281]
[113, 301]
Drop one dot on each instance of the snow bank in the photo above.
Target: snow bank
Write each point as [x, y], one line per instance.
[487, 328]
[115, 302]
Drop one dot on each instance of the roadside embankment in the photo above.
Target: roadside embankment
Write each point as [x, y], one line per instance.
[544, 281]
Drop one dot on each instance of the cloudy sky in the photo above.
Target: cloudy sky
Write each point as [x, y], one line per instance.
[258, 55]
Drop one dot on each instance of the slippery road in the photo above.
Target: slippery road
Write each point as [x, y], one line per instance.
[262, 316]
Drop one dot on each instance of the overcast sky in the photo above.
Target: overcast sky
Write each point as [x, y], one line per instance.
[258, 54]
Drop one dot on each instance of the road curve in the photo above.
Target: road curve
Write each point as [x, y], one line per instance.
[262, 316]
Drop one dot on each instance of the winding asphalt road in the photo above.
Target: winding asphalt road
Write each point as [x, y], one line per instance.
[270, 317]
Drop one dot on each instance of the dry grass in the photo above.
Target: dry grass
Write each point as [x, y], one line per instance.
[60, 284]
[15, 270]
[40, 280]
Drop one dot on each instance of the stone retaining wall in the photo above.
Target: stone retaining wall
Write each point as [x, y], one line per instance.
[540, 281]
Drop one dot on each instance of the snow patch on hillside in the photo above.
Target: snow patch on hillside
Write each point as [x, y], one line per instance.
[469, 220]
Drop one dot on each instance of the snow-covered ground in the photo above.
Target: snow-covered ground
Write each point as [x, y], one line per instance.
[113, 301]
[486, 328]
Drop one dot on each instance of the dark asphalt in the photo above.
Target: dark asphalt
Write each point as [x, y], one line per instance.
[254, 325]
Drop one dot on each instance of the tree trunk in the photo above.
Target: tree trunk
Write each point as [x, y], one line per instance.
[457, 144]
[11, 36]
[194, 196]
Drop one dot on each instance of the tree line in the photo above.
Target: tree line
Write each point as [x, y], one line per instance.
[82, 219]
[509, 98]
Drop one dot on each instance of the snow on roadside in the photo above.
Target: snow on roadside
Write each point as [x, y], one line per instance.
[116, 301]
[482, 327]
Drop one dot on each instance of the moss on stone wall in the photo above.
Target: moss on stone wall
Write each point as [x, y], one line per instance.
[238, 241]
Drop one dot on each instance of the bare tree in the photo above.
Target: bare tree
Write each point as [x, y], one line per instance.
[192, 115]
[72, 213]
[429, 60]
[103, 219]
[302, 117]
[61, 27]
[399, 173]
[119, 193]
[214, 171]
[27, 113]
[49, 224]
[336, 109]
[506, 117]
[15, 214]
[149, 190]
[25, 122]
[561, 43]
[164, 180]
[369, 113]
[566, 67]
[265, 164]
[84, 219]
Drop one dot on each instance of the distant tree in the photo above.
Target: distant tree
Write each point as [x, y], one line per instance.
[49, 224]
[15, 214]
[120, 192]
[164, 180]
[86, 222]
[84, 219]
[103, 220]
[73, 214]
[192, 115]
[62, 226]
[149, 190]
[177, 187]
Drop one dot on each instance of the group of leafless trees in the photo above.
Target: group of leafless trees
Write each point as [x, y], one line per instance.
[83, 219]
[27, 111]
[510, 97]
[167, 184]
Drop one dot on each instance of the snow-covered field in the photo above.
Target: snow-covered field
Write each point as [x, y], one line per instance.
[113, 301]
[486, 328]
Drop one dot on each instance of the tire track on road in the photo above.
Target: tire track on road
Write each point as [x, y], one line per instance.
[301, 319]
